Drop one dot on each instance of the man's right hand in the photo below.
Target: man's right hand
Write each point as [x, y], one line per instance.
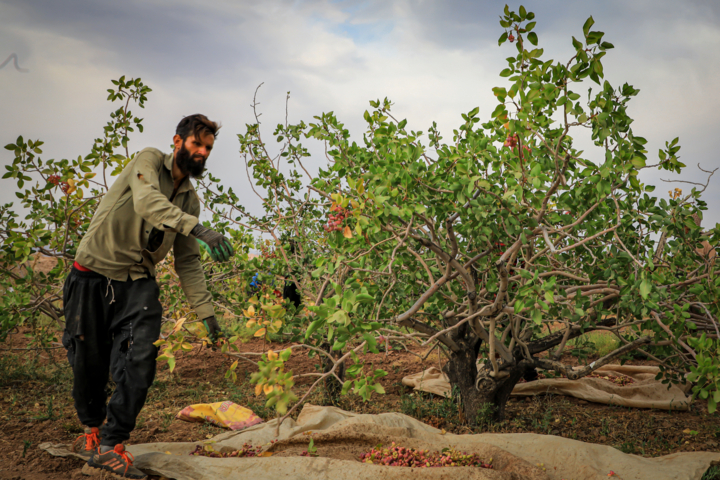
[213, 328]
[216, 244]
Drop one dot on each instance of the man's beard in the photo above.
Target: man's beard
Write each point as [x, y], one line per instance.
[188, 165]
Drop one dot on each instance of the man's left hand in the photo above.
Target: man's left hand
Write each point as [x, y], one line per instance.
[215, 243]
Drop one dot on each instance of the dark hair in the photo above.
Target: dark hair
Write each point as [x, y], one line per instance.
[196, 125]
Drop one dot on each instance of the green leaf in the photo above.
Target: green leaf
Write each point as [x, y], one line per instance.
[364, 298]
[532, 38]
[645, 287]
[588, 24]
[313, 326]
[549, 297]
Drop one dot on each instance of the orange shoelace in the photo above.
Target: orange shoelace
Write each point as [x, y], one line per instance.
[120, 450]
[92, 440]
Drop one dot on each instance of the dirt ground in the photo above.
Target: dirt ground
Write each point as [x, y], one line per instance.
[36, 407]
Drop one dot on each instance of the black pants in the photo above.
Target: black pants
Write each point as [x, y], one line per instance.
[110, 327]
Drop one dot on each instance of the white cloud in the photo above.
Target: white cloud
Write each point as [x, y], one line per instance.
[435, 60]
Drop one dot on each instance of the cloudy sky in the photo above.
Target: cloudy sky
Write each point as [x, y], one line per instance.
[433, 59]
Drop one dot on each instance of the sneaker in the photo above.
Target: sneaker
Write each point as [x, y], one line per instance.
[116, 462]
[86, 444]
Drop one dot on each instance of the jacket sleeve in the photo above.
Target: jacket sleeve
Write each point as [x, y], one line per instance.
[149, 201]
[190, 271]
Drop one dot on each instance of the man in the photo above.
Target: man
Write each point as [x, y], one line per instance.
[111, 300]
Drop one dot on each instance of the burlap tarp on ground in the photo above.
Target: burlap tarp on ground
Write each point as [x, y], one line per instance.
[341, 436]
[644, 392]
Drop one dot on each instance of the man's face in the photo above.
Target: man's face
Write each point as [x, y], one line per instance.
[191, 155]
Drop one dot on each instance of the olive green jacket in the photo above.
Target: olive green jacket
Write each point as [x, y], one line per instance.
[138, 221]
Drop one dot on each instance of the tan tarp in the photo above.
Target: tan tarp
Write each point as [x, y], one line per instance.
[644, 392]
[341, 435]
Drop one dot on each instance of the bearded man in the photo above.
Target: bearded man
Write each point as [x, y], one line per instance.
[111, 300]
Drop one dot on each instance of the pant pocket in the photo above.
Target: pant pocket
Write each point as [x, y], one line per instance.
[121, 352]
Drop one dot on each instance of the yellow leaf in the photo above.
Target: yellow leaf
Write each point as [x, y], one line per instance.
[71, 182]
[258, 389]
[251, 311]
[90, 175]
[347, 233]
[260, 333]
[253, 300]
[178, 325]
[267, 389]
[197, 329]
[277, 323]
[250, 324]
[271, 355]
[266, 454]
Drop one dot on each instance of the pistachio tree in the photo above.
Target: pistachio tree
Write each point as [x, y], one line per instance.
[499, 246]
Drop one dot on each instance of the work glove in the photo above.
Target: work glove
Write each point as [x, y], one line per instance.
[215, 243]
[213, 328]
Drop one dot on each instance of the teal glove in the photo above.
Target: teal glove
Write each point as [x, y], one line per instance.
[215, 243]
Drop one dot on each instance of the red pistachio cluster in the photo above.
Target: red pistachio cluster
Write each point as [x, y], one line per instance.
[55, 180]
[397, 456]
[512, 141]
[246, 451]
[336, 219]
[265, 252]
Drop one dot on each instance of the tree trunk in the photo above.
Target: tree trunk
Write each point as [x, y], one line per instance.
[462, 372]
[497, 390]
[333, 388]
